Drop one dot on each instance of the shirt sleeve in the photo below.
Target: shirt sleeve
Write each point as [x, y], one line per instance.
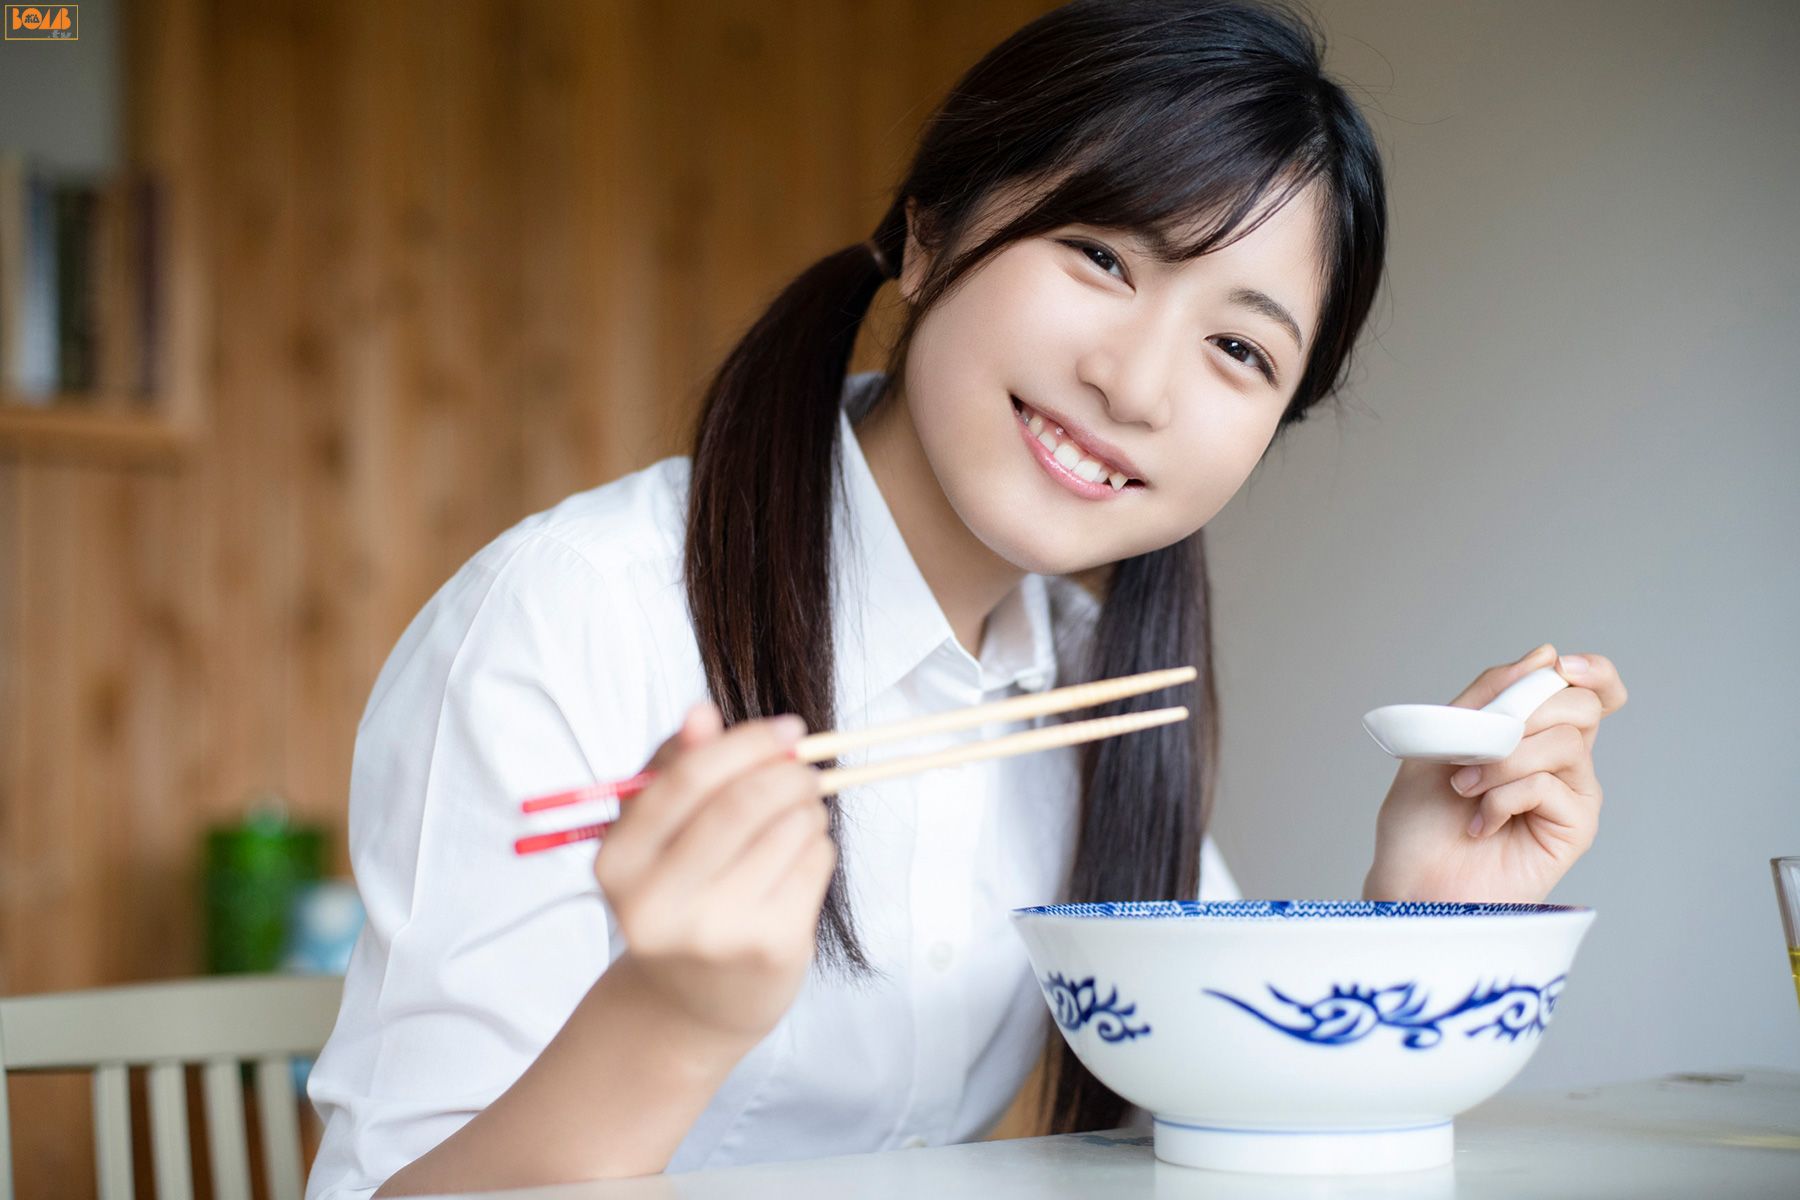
[523, 675]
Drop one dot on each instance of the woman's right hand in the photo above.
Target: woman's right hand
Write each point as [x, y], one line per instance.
[717, 872]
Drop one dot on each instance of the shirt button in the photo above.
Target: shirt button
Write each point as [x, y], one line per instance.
[914, 1142]
[939, 956]
[1033, 681]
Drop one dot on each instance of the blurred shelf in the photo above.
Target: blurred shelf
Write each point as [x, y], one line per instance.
[162, 96]
[93, 429]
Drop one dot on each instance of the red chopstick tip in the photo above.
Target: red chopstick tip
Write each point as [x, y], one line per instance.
[561, 837]
[617, 790]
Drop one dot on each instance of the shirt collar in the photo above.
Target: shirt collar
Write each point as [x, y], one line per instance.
[886, 621]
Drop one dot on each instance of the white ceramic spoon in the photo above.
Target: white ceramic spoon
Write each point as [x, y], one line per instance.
[1448, 734]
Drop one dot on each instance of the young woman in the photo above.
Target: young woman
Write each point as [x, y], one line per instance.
[1137, 241]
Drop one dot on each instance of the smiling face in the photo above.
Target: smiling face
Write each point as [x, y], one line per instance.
[1175, 375]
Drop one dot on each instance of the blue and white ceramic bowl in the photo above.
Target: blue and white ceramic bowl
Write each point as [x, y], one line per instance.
[1303, 1036]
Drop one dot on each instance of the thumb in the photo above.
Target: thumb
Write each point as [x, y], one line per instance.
[700, 725]
[1494, 680]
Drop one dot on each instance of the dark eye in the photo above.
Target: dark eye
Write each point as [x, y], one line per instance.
[1252, 356]
[1099, 255]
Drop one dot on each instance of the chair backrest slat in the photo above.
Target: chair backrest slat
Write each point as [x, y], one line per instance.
[267, 1020]
[280, 1125]
[223, 1084]
[112, 1132]
[6, 1185]
[281, 1134]
[167, 1089]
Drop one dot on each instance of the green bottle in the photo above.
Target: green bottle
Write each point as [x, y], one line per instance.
[252, 873]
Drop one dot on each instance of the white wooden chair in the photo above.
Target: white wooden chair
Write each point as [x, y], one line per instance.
[218, 1023]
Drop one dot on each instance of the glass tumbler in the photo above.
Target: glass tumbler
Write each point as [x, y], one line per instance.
[1787, 891]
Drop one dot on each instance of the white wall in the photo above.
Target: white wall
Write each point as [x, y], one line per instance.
[1577, 423]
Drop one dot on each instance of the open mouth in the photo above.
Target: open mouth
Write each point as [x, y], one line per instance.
[1070, 454]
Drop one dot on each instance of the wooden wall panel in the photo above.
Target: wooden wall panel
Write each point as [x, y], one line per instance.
[464, 259]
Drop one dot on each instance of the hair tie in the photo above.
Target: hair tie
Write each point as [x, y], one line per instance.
[880, 258]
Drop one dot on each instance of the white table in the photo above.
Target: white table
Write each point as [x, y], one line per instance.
[1729, 1133]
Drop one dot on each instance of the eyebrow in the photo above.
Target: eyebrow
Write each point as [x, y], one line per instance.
[1161, 249]
[1269, 307]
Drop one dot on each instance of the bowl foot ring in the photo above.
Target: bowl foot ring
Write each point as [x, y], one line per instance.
[1193, 1143]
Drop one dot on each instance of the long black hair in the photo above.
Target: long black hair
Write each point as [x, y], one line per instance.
[1167, 117]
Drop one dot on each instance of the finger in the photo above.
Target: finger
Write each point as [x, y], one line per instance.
[726, 826]
[1555, 808]
[1494, 680]
[767, 861]
[699, 725]
[1597, 673]
[799, 896]
[1576, 706]
[678, 790]
[1559, 750]
[702, 724]
[616, 864]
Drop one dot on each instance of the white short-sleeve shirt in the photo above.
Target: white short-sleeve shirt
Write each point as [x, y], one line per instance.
[562, 653]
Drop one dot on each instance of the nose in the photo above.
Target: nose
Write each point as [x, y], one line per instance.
[1132, 365]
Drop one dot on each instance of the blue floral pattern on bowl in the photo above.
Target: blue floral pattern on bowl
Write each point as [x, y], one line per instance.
[1077, 1003]
[1353, 1013]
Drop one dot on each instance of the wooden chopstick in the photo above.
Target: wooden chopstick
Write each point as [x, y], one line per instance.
[838, 778]
[835, 780]
[817, 747]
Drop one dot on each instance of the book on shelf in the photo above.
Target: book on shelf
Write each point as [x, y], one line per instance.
[80, 284]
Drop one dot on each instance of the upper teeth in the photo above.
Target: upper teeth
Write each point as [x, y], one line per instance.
[1066, 452]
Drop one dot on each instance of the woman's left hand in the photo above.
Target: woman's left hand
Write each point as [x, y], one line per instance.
[1516, 826]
